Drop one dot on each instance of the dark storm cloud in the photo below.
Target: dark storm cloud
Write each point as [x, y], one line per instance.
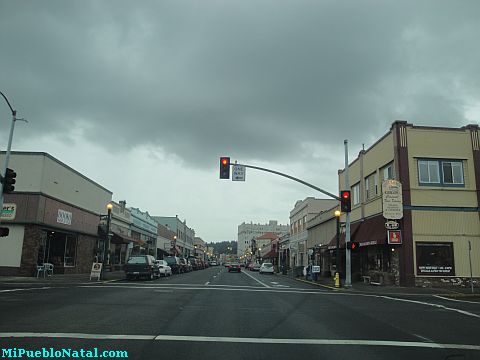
[251, 78]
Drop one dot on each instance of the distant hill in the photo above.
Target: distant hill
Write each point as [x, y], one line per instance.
[222, 247]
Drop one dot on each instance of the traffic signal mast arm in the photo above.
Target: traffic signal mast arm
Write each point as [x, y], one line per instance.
[291, 178]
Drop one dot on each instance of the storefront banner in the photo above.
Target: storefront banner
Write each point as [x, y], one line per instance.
[64, 217]
[394, 237]
[435, 270]
[9, 211]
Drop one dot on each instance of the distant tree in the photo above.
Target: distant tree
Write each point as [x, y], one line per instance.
[224, 247]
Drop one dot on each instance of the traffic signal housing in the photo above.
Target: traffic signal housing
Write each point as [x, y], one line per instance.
[353, 245]
[224, 167]
[345, 201]
[8, 181]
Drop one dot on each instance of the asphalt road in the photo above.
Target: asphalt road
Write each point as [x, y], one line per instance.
[213, 314]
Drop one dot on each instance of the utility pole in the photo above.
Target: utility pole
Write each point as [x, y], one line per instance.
[9, 147]
[348, 264]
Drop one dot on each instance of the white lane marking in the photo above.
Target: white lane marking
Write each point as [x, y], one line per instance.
[352, 342]
[258, 289]
[254, 278]
[274, 282]
[429, 304]
[423, 338]
[208, 282]
[463, 301]
[40, 288]
[163, 291]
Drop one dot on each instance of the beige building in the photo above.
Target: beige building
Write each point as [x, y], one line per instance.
[301, 214]
[53, 216]
[439, 170]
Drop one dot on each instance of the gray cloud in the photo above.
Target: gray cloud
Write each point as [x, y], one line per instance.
[256, 79]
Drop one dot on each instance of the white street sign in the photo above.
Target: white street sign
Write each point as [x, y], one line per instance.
[392, 200]
[238, 173]
[9, 211]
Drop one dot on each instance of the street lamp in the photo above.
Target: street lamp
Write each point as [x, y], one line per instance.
[337, 274]
[106, 243]
[9, 147]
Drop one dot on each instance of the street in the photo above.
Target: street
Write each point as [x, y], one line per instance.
[219, 315]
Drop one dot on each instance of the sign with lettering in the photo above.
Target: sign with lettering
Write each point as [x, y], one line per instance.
[96, 270]
[9, 211]
[315, 269]
[64, 217]
[392, 225]
[238, 173]
[392, 200]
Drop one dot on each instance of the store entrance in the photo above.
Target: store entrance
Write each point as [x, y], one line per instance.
[57, 248]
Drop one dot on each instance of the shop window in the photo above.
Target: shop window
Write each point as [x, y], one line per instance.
[356, 194]
[435, 259]
[58, 248]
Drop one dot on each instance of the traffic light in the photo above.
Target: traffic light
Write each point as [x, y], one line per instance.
[353, 245]
[8, 181]
[224, 167]
[4, 231]
[345, 201]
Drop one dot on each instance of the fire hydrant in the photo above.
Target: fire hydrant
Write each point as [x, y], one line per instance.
[337, 280]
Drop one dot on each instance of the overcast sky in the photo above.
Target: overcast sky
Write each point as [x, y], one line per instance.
[144, 96]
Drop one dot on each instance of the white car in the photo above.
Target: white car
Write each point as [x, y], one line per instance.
[163, 267]
[266, 268]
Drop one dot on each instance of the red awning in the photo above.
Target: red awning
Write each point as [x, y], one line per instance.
[367, 232]
[271, 254]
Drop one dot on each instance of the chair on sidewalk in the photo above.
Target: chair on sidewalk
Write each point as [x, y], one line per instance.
[46, 269]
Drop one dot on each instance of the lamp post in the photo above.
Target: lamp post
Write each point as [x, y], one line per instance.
[9, 147]
[106, 243]
[337, 257]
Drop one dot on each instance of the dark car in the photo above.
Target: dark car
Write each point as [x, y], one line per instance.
[139, 266]
[174, 263]
[234, 267]
[185, 265]
[195, 264]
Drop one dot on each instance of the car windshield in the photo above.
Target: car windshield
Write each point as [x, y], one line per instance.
[308, 170]
[137, 260]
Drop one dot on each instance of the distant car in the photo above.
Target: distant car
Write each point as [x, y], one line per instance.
[174, 263]
[213, 263]
[234, 267]
[139, 266]
[249, 266]
[185, 265]
[195, 263]
[256, 267]
[267, 268]
[227, 264]
[163, 268]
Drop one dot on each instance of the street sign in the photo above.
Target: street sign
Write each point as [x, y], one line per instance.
[392, 225]
[394, 237]
[315, 269]
[238, 173]
[96, 270]
[9, 211]
[392, 199]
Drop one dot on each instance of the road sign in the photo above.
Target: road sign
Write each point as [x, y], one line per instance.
[315, 269]
[238, 173]
[9, 211]
[392, 199]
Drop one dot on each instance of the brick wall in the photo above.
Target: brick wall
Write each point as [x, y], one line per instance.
[31, 244]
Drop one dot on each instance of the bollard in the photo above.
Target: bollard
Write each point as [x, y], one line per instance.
[337, 280]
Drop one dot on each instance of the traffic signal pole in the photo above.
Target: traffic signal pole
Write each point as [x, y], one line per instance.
[348, 259]
[291, 178]
[9, 147]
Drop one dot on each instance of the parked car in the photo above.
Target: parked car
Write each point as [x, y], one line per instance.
[163, 267]
[256, 267]
[139, 266]
[185, 264]
[213, 263]
[195, 264]
[174, 263]
[249, 266]
[267, 268]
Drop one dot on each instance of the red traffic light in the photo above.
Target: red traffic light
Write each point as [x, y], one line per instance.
[224, 161]
[345, 201]
[224, 167]
[353, 245]
[345, 194]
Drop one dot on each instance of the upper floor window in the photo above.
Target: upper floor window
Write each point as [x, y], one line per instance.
[356, 194]
[371, 186]
[387, 172]
[440, 172]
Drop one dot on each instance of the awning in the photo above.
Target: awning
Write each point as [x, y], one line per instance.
[367, 232]
[271, 254]
[118, 238]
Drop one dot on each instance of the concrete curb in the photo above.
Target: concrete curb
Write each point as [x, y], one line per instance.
[317, 284]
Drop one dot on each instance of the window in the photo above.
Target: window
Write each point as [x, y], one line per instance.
[435, 259]
[371, 186]
[387, 172]
[440, 172]
[356, 194]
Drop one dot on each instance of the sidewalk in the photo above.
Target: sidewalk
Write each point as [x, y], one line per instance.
[361, 287]
[60, 278]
